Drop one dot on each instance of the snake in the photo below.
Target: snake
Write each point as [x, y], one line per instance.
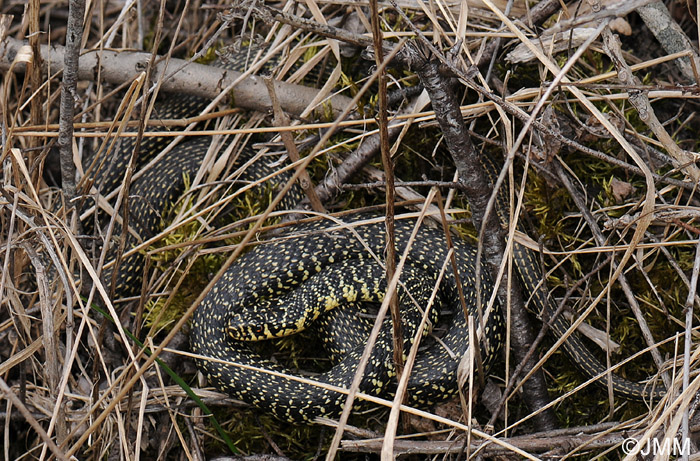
[321, 275]
[325, 251]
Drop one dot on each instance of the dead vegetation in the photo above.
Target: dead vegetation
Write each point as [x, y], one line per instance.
[601, 134]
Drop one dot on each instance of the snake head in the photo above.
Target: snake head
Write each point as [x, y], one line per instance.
[267, 320]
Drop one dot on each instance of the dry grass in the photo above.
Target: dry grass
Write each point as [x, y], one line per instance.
[76, 384]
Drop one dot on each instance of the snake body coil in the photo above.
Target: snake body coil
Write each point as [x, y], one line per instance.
[266, 279]
[273, 271]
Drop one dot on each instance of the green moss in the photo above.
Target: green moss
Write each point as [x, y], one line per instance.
[160, 313]
[554, 218]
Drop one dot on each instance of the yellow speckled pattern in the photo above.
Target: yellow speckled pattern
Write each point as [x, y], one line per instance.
[280, 288]
[160, 187]
[250, 288]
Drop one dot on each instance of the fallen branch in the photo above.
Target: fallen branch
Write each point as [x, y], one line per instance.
[117, 67]
[671, 37]
[477, 189]
[69, 95]
[559, 441]
[683, 160]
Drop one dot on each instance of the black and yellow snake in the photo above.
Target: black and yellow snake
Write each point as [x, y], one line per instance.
[290, 275]
[281, 287]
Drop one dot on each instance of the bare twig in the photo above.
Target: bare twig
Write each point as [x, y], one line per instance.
[688, 340]
[478, 191]
[33, 9]
[672, 38]
[371, 340]
[354, 162]
[281, 119]
[271, 15]
[119, 67]
[390, 194]
[684, 160]
[617, 9]
[670, 215]
[69, 94]
[552, 442]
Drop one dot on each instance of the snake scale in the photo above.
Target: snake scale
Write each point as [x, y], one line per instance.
[281, 287]
[292, 265]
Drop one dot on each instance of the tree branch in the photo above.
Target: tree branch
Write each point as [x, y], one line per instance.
[477, 189]
[197, 79]
[69, 95]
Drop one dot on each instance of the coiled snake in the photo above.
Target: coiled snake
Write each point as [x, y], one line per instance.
[281, 287]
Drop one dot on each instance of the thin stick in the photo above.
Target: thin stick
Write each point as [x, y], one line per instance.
[69, 94]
